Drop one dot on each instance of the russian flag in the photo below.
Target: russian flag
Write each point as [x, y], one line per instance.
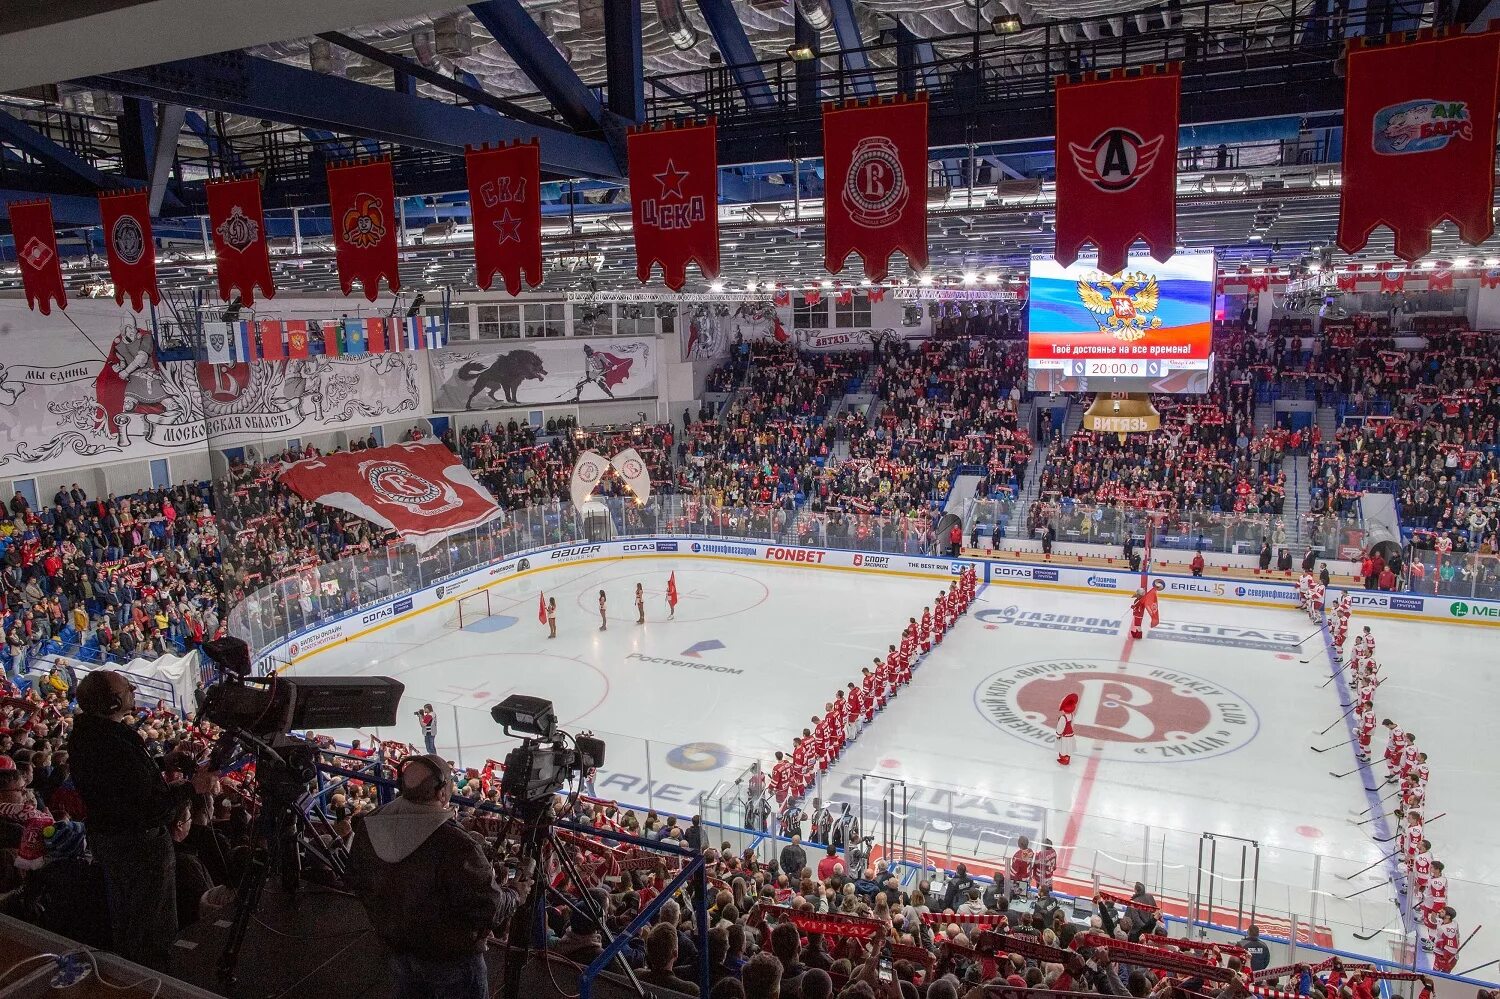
[244, 342]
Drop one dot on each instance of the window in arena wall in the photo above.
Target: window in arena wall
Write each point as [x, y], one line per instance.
[810, 317]
[855, 315]
[637, 320]
[458, 319]
[499, 322]
[543, 319]
[593, 320]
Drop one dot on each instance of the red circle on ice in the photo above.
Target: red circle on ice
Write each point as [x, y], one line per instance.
[1119, 708]
[1311, 832]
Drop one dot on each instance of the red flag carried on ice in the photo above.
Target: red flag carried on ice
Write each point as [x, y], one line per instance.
[672, 591]
[541, 607]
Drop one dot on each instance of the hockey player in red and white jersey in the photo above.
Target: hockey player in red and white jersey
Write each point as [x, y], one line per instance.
[1304, 592]
[1393, 748]
[1414, 779]
[1366, 673]
[1064, 729]
[1446, 941]
[939, 617]
[869, 687]
[1369, 638]
[1045, 866]
[1411, 756]
[781, 778]
[855, 705]
[840, 723]
[882, 688]
[1340, 632]
[909, 649]
[896, 668]
[800, 749]
[924, 630]
[1410, 837]
[1366, 731]
[1435, 899]
[1318, 591]
[1421, 869]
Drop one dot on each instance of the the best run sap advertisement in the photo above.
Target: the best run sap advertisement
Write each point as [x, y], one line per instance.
[1147, 329]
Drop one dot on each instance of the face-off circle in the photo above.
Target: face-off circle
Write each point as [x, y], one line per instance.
[1140, 713]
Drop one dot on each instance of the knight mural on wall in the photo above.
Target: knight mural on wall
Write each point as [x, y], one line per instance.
[67, 411]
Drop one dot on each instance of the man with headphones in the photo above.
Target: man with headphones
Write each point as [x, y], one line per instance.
[429, 888]
[129, 808]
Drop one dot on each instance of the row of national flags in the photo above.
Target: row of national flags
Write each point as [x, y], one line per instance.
[297, 339]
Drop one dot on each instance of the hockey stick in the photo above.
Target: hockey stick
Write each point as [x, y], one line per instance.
[1470, 971]
[1346, 773]
[1336, 673]
[1395, 834]
[1317, 750]
[1340, 718]
[1386, 797]
[1376, 933]
[1377, 863]
[1355, 692]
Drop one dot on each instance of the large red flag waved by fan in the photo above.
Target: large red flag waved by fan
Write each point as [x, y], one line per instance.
[541, 607]
[126, 218]
[420, 490]
[362, 199]
[504, 192]
[1117, 164]
[36, 250]
[1419, 140]
[876, 196]
[674, 200]
[239, 232]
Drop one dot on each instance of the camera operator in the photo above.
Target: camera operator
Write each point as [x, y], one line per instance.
[428, 887]
[427, 719]
[129, 809]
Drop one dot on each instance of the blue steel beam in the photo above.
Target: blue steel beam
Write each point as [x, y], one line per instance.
[164, 156]
[230, 159]
[240, 84]
[856, 63]
[36, 145]
[916, 61]
[530, 48]
[624, 65]
[734, 46]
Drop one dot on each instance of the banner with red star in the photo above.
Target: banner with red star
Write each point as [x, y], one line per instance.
[505, 195]
[674, 200]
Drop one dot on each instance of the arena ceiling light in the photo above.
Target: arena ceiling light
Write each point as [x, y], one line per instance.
[1006, 24]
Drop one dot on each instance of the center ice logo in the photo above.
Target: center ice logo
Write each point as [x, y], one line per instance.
[1141, 713]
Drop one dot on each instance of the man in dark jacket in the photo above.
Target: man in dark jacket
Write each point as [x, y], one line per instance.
[428, 888]
[129, 807]
[793, 859]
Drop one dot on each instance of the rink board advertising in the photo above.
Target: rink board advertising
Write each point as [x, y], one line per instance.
[1147, 329]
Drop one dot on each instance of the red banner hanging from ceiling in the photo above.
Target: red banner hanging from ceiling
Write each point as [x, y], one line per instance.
[1117, 164]
[875, 157]
[1419, 139]
[36, 251]
[239, 232]
[505, 195]
[126, 218]
[362, 200]
[674, 200]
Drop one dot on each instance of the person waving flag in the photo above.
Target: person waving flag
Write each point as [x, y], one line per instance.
[672, 594]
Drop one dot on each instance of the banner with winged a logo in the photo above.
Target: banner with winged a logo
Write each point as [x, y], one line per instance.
[362, 199]
[1117, 164]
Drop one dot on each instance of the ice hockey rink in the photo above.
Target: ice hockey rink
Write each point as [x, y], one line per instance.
[1205, 726]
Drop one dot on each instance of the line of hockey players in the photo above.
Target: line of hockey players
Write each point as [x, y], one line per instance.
[1422, 878]
[823, 741]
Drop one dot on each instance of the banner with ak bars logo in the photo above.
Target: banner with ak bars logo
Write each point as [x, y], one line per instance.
[674, 200]
[239, 232]
[875, 155]
[362, 200]
[1419, 139]
[1117, 164]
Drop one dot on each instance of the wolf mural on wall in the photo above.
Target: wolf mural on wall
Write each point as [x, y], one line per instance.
[479, 376]
[506, 372]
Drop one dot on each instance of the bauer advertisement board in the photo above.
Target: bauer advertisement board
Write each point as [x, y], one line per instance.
[1147, 329]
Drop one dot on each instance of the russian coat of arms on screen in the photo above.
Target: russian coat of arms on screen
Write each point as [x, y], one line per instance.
[1122, 305]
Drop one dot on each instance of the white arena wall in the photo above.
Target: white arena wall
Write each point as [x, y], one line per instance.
[306, 644]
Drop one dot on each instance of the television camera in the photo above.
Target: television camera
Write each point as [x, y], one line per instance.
[258, 715]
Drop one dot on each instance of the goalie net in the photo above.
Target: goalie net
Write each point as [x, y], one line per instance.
[469, 608]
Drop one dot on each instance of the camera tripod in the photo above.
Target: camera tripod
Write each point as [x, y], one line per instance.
[281, 833]
[539, 840]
